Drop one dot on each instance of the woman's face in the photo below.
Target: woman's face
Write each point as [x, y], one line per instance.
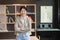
[23, 11]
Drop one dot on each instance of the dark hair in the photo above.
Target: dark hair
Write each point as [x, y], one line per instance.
[23, 7]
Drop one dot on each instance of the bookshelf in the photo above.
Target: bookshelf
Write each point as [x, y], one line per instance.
[10, 11]
[2, 18]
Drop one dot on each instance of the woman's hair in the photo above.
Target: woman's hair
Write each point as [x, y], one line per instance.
[23, 8]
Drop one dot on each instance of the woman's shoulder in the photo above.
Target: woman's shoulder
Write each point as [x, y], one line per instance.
[17, 17]
[30, 18]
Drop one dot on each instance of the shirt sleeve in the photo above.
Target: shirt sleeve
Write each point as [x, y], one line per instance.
[16, 25]
[29, 24]
[19, 29]
[28, 28]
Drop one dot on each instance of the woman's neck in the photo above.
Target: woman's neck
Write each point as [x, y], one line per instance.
[23, 15]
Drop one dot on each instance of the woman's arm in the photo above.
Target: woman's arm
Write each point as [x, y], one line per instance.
[28, 27]
[29, 24]
[18, 26]
[17, 29]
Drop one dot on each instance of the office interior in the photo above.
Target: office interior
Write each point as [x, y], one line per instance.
[43, 30]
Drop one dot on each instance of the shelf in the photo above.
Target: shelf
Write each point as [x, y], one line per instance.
[24, 4]
[33, 30]
[33, 22]
[17, 13]
[3, 23]
[11, 23]
[27, 14]
[2, 18]
[2, 9]
[6, 31]
[10, 14]
[10, 9]
[2, 14]
[48, 30]
[31, 13]
[14, 23]
[13, 31]
[10, 18]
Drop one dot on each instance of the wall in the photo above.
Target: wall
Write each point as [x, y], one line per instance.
[17, 1]
[38, 3]
[42, 3]
[59, 13]
[53, 3]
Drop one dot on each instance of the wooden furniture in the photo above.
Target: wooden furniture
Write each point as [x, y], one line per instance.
[8, 13]
[32, 38]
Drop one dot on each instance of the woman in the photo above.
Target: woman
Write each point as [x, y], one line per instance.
[23, 25]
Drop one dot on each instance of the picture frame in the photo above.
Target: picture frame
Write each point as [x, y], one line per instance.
[46, 14]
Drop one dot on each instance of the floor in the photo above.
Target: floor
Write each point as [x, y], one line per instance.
[35, 38]
[45, 38]
[32, 38]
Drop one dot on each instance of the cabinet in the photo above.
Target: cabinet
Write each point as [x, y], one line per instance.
[9, 12]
